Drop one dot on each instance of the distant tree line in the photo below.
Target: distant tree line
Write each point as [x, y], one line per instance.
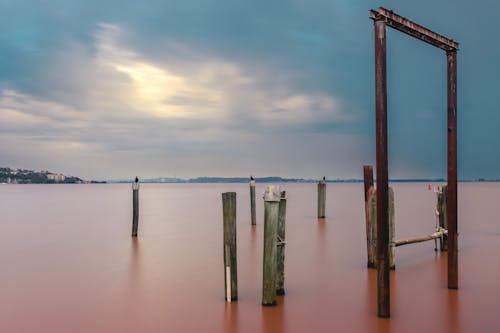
[20, 176]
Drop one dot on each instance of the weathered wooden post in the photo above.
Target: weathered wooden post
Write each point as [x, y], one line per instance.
[442, 196]
[230, 264]
[451, 209]
[368, 182]
[280, 279]
[135, 209]
[271, 212]
[372, 217]
[252, 201]
[321, 198]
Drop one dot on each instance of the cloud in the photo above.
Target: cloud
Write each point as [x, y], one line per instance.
[115, 103]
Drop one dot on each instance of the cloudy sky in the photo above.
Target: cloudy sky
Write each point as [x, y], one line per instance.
[114, 89]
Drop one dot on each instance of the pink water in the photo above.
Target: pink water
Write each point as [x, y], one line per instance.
[68, 263]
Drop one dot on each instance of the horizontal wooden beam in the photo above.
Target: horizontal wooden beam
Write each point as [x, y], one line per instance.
[421, 239]
[413, 29]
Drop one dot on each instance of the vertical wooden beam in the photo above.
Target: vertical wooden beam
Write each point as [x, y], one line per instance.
[230, 263]
[442, 200]
[280, 275]
[368, 181]
[135, 209]
[451, 57]
[373, 235]
[383, 284]
[321, 198]
[271, 211]
[252, 202]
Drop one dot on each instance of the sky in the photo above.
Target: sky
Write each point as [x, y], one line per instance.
[113, 89]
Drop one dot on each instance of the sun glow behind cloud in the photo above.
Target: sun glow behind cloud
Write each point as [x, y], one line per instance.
[155, 90]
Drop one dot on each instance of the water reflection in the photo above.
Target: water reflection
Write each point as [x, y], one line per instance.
[231, 317]
[272, 317]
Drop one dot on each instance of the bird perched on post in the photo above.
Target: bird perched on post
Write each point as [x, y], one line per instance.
[251, 177]
[136, 179]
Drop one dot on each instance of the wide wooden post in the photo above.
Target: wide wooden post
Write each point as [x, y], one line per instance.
[135, 208]
[451, 204]
[368, 182]
[280, 275]
[271, 212]
[321, 198]
[442, 201]
[230, 264]
[372, 228]
[252, 202]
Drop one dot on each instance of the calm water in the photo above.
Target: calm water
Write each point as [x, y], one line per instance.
[68, 263]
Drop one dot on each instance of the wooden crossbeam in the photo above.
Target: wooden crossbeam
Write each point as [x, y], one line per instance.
[413, 240]
[413, 29]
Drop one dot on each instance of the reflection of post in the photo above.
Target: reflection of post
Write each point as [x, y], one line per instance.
[280, 278]
[271, 211]
[230, 264]
[135, 203]
[252, 201]
[368, 180]
[321, 198]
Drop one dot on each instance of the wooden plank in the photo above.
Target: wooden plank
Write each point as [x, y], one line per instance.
[420, 239]
[413, 29]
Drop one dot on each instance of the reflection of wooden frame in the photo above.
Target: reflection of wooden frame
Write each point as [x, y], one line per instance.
[381, 18]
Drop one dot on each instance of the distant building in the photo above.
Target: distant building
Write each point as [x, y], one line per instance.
[57, 177]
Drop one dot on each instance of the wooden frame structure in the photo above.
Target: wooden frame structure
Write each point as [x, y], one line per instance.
[381, 19]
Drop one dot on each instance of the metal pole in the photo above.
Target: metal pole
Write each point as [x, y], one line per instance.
[452, 171]
[383, 284]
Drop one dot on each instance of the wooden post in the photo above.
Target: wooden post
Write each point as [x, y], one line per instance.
[230, 264]
[372, 217]
[252, 202]
[451, 209]
[383, 283]
[368, 181]
[442, 196]
[280, 275]
[271, 212]
[135, 209]
[321, 198]
[372, 227]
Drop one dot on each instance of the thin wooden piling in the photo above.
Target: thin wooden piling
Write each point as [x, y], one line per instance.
[280, 275]
[372, 228]
[442, 197]
[230, 264]
[321, 198]
[368, 181]
[271, 212]
[451, 209]
[252, 202]
[135, 209]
